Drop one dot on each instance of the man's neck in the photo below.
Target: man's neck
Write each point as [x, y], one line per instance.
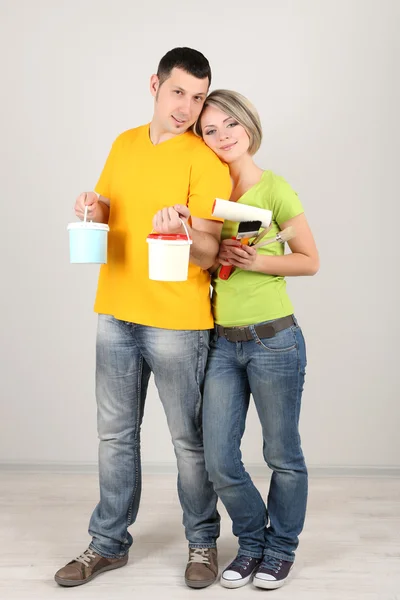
[159, 135]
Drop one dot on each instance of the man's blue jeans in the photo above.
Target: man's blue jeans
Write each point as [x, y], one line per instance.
[273, 371]
[126, 355]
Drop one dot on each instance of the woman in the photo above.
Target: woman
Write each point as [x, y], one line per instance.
[258, 348]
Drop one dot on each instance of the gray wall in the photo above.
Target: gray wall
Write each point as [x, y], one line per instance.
[324, 76]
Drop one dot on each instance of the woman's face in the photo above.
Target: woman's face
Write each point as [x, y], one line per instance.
[223, 134]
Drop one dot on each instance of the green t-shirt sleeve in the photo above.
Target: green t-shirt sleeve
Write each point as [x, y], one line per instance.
[285, 203]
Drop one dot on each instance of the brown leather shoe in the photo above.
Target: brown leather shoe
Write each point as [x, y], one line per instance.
[202, 567]
[85, 567]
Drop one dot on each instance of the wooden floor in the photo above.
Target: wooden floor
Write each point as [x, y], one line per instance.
[350, 548]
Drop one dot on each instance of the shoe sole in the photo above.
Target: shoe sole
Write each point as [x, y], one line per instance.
[271, 585]
[235, 583]
[74, 582]
[199, 584]
[268, 585]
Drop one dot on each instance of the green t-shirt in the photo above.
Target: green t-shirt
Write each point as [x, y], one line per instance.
[246, 297]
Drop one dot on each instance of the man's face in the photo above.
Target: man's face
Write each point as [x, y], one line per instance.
[178, 101]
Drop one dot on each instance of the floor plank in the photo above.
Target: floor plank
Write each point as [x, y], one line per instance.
[350, 548]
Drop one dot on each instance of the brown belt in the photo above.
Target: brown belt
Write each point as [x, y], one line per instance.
[244, 334]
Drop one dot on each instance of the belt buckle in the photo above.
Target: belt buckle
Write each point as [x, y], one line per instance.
[242, 330]
[238, 331]
[231, 334]
[225, 333]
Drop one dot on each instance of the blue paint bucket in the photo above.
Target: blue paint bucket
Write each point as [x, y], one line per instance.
[88, 242]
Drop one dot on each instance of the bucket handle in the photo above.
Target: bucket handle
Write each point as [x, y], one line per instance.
[184, 227]
[86, 212]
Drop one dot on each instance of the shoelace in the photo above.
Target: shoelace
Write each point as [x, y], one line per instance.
[86, 557]
[199, 555]
[271, 563]
[240, 561]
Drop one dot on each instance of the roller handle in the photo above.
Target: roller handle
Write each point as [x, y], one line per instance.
[226, 270]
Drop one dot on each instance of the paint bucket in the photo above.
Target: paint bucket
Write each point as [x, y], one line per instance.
[88, 242]
[169, 255]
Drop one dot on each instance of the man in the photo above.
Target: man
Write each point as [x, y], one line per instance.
[148, 326]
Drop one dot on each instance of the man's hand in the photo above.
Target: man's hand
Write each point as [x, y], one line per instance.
[232, 252]
[168, 220]
[89, 199]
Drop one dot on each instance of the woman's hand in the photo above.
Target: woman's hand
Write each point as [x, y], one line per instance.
[232, 252]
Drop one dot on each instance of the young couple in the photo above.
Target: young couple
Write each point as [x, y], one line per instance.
[154, 176]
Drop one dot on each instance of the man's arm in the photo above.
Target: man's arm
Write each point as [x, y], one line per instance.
[209, 179]
[205, 233]
[98, 207]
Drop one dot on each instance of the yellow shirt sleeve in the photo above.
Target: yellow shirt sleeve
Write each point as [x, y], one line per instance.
[209, 179]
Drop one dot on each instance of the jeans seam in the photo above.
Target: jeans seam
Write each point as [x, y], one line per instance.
[298, 394]
[136, 452]
[299, 402]
[237, 441]
[278, 555]
[105, 554]
[258, 341]
[246, 553]
[199, 355]
[198, 408]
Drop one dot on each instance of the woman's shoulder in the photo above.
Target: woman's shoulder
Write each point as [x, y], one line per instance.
[271, 179]
[263, 191]
[276, 186]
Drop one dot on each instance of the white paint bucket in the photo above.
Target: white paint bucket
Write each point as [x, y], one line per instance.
[169, 256]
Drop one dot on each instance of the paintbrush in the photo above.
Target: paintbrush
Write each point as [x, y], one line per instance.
[260, 236]
[246, 231]
[282, 236]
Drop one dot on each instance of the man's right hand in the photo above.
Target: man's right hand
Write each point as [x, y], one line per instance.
[89, 199]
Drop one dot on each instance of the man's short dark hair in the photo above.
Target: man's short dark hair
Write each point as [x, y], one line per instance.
[187, 59]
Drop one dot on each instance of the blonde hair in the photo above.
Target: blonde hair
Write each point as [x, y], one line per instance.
[238, 107]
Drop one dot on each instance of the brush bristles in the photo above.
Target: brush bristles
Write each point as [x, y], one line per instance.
[246, 226]
[286, 234]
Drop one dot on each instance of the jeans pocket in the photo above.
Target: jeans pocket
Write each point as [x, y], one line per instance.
[283, 341]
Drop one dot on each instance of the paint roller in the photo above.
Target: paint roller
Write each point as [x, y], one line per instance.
[248, 217]
[233, 211]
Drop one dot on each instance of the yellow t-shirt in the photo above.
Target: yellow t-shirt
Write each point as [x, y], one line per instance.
[139, 179]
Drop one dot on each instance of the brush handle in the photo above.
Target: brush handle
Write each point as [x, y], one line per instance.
[262, 244]
[261, 235]
[271, 241]
[277, 238]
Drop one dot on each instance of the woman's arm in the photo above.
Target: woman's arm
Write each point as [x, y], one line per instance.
[303, 260]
